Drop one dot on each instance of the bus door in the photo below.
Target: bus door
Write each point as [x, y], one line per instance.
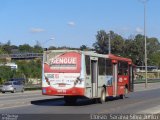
[94, 77]
[115, 79]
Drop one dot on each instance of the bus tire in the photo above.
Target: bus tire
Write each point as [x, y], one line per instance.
[22, 90]
[14, 90]
[70, 100]
[122, 96]
[103, 96]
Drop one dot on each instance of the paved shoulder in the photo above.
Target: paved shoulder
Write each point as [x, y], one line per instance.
[151, 86]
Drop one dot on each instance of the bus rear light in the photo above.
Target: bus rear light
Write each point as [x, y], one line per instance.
[114, 61]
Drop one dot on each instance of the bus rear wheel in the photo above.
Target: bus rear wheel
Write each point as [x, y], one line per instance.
[103, 96]
[70, 100]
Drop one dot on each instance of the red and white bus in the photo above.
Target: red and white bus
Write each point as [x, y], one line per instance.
[74, 74]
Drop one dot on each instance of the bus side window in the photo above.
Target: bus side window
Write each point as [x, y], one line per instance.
[109, 69]
[101, 65]
[122, 68]
[87, 61]
[109, 72]
[120, 72]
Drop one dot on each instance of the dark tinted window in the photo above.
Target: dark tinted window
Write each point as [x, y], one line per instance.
[15, 83]
[101, 65]
[109, 69]
[8, 84]
[87, 61]
[122, 68]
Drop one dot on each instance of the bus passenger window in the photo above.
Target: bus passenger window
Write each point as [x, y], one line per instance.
[109, 69]
[101, 65]
[122, 68]
[87, 61]
[126, 72]
[120, 72]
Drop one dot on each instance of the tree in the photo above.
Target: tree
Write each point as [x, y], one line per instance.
[101, 44]
[117, 44]
[37, 49]
[5, 73]
[153, 45]
[155, 58]
[25, 48]
[30, 69]
[84, 47]
[7, 49]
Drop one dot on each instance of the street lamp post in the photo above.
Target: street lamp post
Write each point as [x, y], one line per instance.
[145, 56]
[109, 44]
[146, 83]
[51, 39]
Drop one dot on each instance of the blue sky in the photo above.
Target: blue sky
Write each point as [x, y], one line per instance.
[74, 22]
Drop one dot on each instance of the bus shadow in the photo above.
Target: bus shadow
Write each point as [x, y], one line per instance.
[61, 102]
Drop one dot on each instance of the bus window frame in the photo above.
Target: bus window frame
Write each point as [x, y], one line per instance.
[122, 68]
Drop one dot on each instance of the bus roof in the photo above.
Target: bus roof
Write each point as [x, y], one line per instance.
[93, 53]
[111, 56]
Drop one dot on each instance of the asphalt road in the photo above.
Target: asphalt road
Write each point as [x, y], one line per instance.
[142, 101]
[9, 100]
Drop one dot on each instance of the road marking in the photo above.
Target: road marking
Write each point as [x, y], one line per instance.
[139, 102]
[15, 106]
[25, 99]
[153, 110]
[17, 96]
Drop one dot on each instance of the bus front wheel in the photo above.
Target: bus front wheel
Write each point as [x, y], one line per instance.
[122, 96]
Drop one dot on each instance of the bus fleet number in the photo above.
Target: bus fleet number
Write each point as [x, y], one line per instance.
[61, 91]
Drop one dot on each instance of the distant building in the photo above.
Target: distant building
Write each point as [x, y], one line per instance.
[12, 65]
[149, 68]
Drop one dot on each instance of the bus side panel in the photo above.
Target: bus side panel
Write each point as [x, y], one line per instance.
[109, 90]
[101, 82]
[123, 80]
[123, 84]
[121, 90]
[88, 87]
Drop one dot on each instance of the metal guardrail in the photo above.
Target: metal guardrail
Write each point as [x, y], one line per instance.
[22, 55]
[138, 81]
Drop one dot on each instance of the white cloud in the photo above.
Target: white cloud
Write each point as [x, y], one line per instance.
[71, 23]
[37, 30]
[139, 30]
